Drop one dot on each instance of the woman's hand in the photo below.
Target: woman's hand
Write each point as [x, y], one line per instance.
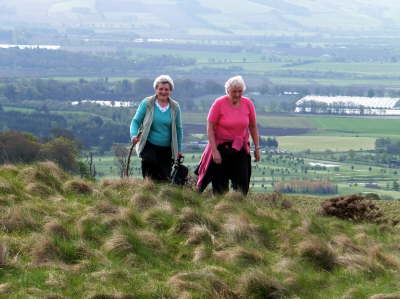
[257, 154]
[217, 157]
[135, 139]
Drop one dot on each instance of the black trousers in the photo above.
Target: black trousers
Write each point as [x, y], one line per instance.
[235, 166]
[156, 162]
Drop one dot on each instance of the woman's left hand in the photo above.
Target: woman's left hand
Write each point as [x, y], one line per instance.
[257, 155]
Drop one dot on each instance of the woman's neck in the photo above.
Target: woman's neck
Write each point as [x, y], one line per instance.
[234, 102]
[163, 102]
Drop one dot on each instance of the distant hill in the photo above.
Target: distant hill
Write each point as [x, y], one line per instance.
[213, 17]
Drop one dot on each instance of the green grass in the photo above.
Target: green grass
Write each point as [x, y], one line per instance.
[138, 239]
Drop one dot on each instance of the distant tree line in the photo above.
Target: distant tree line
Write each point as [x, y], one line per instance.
[18, 147]
[387, 145]
[43, 62]
[309, 187]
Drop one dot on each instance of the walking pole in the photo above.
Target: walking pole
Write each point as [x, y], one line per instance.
[129, 160]
[130, 154]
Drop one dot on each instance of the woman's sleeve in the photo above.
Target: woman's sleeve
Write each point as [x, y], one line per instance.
[214, 113]
[252, 114]
[138, 118]
[179, 129]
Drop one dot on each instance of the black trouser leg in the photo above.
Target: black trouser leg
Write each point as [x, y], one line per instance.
[241, 172]
[156, 162]
[235, 166]
[220, 178]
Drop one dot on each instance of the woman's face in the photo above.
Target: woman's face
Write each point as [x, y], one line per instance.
[235, 93]
[163, 90]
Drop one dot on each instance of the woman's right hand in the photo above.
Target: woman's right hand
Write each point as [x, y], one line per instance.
[134, 139]
[217, 157]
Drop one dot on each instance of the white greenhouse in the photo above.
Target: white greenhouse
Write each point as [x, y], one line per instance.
[348, 105]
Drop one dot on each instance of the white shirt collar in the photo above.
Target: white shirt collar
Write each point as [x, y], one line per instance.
[162, 109]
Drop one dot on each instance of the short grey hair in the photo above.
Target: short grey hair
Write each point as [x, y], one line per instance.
[236, 81]
[162, 80]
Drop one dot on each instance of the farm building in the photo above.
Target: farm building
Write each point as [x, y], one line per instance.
[348, 105]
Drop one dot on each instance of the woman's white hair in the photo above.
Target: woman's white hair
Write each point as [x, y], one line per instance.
[162, 80]
[236, 81]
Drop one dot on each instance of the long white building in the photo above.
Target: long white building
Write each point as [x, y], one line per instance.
[348, 105]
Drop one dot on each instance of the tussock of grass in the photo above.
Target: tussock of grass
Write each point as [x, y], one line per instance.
[5, 289]
[204, 282]
[234, 196]
[189, 218]
[143, 201]
[3, 255]
[224, 207]
[160, 217]
[38, 189]
[238, 255]
[5, 187]
[199, 234]
[121, 184]
[255, 284]
[43, 250]
[104, 207]
[53, 227]
[78, 186]
[9, 168]
[385, 296]
[200, 253]
[40, 174]
[238, 228]
[118, 244]
[318, 252]
[18, 219]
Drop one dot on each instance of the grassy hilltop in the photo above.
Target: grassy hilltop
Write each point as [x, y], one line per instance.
[61, 237]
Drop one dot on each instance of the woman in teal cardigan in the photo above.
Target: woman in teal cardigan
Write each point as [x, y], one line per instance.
[156, 129]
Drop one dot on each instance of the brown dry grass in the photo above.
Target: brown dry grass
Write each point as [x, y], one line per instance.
[189, 218]
[38, 189]
[318, 252]
[43, 250]
[200, 253]
[238, 255]
[204, 281]
[143, 201]
[199, 234]
[3, 255]
[255, 284]
[118, 243]
[18, 218]
[78, 186]
[239, 228]
[5, 187]
[385, 296]
[53, 227]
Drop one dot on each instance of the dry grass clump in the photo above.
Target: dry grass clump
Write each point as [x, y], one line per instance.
[5, 289]
[352, 207]
[234, 196]
[125, 183]
[18, 218]
[160, 217]
[118, 244]
[3, 255]
[204, 281]
[274, 199]
[200, 253]
[238, 228]
[147, 185]
[53, 169]
[10, 168]
[43, 250]
[104, 207]
[224, 207]
[318, 252]
[89, 227]
[385, 296]
[238, 255]
[112, 296]
[5, 187]
[199, 234]
[78, 186]
[53, 227]
[255, 284]
[38, 189]
[40, 175]
[150, 239]
[189, 218]
[344, 244]
[143, 201]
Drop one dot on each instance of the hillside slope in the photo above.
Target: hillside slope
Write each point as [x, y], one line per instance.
[62, 237]
[244, 17]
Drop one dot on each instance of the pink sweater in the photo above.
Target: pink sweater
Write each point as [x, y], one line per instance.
[231, 125]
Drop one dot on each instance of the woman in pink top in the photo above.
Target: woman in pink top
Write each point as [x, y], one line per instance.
[231, 119]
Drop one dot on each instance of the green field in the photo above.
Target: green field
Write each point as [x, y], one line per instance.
[322, 143]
